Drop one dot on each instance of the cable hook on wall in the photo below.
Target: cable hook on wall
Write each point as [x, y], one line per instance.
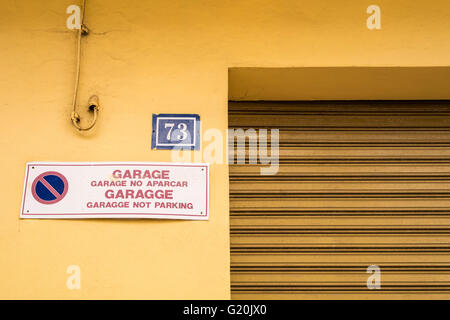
[93, 100]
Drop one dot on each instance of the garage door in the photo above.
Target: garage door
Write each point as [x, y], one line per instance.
[359, 184]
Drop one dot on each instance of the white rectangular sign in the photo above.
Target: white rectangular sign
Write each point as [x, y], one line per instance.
[116, 190]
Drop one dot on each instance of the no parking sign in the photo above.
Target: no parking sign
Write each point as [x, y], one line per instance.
[49, 187]
[116, 190]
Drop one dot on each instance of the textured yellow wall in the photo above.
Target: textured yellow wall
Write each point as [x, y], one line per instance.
[145, 57]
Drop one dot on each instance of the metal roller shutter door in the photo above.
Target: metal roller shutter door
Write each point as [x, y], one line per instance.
[359, 183]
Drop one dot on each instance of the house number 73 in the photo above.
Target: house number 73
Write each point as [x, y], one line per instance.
[182, 127]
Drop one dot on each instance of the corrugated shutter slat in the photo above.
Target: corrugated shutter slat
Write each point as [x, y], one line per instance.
[359, 183]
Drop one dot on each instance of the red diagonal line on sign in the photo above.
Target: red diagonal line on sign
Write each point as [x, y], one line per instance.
[50, 188]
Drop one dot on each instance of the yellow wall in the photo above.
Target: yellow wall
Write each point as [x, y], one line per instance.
[145, 57]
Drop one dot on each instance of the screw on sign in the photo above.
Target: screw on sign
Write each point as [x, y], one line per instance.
[49, 187]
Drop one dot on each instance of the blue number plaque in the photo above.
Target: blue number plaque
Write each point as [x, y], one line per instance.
[176, 131]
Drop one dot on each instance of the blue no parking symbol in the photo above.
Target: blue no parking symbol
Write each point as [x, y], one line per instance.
[49, 187]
